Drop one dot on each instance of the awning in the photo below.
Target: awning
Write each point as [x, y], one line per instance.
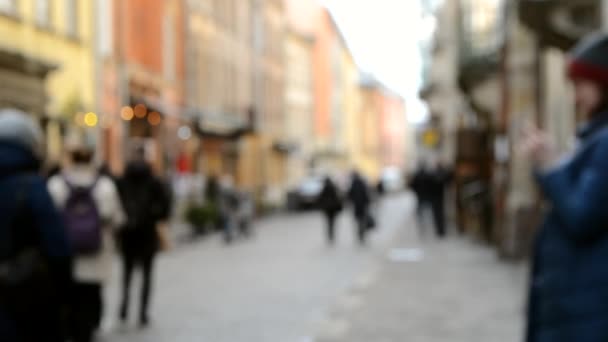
[22, 82]
[221, 125]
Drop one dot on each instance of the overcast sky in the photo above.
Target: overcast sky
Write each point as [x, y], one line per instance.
[383, 36]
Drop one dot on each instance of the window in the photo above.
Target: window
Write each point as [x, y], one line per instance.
[8, 6]
[104, 22]
[43, 13]
[71, 11]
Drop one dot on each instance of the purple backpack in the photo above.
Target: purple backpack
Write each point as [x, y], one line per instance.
[82, 219]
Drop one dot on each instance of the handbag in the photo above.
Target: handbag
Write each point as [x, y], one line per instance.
[370, 222]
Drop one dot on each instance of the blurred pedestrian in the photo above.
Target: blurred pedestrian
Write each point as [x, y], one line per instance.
[228, 207]
[359, 196]
[35, 258]
[245, 213]
[569, 274]
[92, 213]
[212, 198]
[331, 205]
[380, 188]
[147, 203]
[429, 184]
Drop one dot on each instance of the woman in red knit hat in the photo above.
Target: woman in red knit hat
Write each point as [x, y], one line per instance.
[569, 284]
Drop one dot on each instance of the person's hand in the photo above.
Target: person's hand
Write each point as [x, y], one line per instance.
[538, 146]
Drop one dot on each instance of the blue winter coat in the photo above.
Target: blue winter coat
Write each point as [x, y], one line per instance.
[569, 284]
[18, 176]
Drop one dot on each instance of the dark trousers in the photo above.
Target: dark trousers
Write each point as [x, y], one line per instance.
[330, 218]
[362, 226]
[438, 209]
[130, 262]
[86, 311]
[46, 324]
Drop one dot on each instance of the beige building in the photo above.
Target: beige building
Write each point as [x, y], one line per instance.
[272, 140]
[498, 65]
[299, 103]
[353, 115]
[219, 81]
[441, 92]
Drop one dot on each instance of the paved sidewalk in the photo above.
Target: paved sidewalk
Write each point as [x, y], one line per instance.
[274, 287]
[454, 290]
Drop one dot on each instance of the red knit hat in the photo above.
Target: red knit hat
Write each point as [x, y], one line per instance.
[589, 60]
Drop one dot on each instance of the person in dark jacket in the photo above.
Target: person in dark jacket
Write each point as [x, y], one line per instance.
[30, 309]
[147, 203]
[330, 204]
[429, 184]
[569, 282]
[360, 198]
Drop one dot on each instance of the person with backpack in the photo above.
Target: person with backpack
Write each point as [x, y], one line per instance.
[35, 258]
[92, 212]
[147, 204]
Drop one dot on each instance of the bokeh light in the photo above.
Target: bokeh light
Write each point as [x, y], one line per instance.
[154, 118]
[90, 119]
[127, 113]
[140, 111]
[184, 133]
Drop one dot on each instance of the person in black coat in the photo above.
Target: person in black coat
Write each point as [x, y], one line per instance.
[429, 185]
[147, 203]
[331, 205]
[359, 196]
[33, 240]
[569, 282]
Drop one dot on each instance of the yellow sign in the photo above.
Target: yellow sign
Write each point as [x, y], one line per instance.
[430, 138]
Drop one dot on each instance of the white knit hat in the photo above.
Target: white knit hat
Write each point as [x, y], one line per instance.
[20, 128]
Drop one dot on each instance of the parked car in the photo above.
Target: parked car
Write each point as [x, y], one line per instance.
[306, 195]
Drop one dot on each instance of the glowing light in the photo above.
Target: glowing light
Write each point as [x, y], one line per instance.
[154, 118]
[126, 113]
[140, 111]
[90, 119]
[184, 133]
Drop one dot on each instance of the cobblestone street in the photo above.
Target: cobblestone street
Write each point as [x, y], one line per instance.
[287, 285]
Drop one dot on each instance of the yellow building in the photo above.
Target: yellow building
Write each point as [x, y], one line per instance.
[351, 110]
[361, 122]
[299, 104]
[47, 60]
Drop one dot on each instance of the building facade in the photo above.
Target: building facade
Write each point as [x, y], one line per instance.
[219, 88]
[299, 100]
[499, 65]
[329, 91]
[142, 61]
[47, 64]
[271, 64]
